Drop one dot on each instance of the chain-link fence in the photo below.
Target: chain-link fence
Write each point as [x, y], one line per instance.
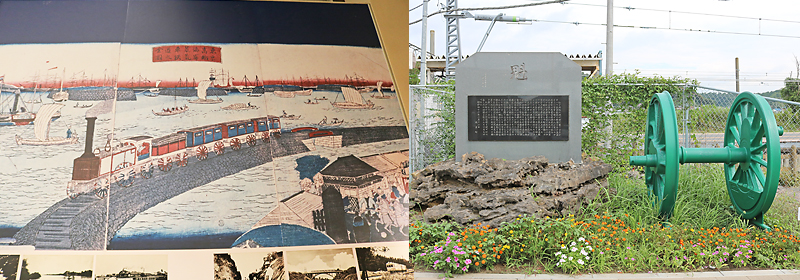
[432, 121]
[704, 120]
[702, 114]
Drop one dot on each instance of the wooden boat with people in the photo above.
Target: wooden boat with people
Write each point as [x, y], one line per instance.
[41, 129]
[171, 111]
[239, 106]
[289, 117]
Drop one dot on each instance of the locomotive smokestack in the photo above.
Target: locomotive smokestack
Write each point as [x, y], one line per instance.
[87, 151]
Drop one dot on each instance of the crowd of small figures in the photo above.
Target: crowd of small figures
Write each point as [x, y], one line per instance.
[599, 244]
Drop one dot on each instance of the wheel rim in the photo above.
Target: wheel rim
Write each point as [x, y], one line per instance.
[661, 141]
[750, 188]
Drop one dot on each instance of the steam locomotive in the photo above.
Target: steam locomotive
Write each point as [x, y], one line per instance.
[95, 170]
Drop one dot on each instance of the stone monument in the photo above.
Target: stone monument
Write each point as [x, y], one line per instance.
[517, 105]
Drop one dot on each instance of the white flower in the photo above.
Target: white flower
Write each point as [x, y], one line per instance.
[574, 249]
[573, 243]
[580, 261]
[584, 253]
[581, 239]
[558, 253]
[589, 247]
[587, 258]
[563, 247]
[570, 258]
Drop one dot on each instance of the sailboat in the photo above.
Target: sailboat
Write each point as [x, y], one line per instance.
[201, 94]
[18, 114]
[61, 95]
[154, 91]
[352, 100]
[41, 129]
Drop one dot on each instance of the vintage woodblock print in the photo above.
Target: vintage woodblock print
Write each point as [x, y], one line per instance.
[209, 134]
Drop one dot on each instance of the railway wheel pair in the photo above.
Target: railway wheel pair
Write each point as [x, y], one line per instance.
[750, 157]
[265, 136]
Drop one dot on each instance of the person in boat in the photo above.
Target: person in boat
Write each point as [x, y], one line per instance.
[324, 120]
[248, 104]
[69, 131]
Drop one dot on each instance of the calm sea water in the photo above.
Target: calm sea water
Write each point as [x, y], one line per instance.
[33, 178]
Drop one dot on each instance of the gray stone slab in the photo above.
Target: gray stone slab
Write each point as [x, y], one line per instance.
[515, 90]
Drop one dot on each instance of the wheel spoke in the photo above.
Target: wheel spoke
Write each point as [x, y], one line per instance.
[758, 174]
[759, 160]
[735, 133]
[758, 137]
[737, 174]
[737, 117]
[759, 149]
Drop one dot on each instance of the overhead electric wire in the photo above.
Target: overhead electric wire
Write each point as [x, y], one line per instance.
[668, 28]
[690, 13]
[491, 8]
[420, 5]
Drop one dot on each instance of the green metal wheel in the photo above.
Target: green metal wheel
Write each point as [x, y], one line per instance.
[752, 183]
[661, 153]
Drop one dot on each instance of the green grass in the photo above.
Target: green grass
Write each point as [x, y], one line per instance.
[621, 231]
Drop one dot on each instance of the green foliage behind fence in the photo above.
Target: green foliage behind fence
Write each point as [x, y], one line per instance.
[616, 108]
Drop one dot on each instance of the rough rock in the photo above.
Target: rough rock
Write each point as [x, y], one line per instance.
[493, 191]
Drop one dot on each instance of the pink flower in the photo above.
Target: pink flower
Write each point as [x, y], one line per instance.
[467, 261]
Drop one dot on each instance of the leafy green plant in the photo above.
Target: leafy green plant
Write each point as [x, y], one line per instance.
[616, 109]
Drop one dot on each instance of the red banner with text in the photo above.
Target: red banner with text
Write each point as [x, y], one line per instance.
[187, 53]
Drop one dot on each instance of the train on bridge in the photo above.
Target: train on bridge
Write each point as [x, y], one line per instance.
[95, 170]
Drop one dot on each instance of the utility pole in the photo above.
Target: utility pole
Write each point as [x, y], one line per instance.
[737, 74]
[610, 38]
[423, 65]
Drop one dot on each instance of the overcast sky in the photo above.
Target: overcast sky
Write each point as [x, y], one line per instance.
[709, 57]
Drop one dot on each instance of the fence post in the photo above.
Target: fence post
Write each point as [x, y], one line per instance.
[793, 158]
